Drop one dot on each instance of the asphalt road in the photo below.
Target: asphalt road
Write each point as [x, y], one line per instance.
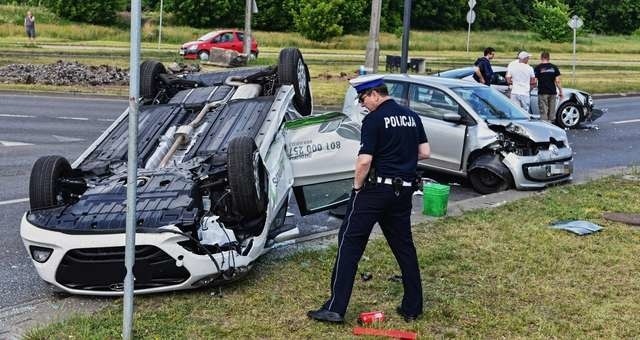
[32, 126]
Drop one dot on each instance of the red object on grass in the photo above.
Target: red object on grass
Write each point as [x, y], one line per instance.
[392, 333]
[370, 317]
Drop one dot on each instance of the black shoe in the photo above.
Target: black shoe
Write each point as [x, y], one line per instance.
[325, 315]
[407, 317]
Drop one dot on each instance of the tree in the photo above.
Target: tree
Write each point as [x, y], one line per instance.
[89, 11]
[551, 20]
[208, 13]
[319, 19]
[613, 16]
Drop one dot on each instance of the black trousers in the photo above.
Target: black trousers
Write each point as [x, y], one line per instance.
[376, 204]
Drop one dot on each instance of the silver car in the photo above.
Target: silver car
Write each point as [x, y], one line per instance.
[572, 109]
[476, 132]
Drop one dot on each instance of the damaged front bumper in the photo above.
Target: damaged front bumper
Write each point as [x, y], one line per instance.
[546, 168]
[93, 264]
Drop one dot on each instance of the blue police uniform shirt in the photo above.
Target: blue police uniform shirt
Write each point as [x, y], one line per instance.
[485, 68]
[391, 134]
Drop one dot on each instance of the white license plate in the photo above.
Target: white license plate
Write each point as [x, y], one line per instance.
[181, 52]
[558, 169]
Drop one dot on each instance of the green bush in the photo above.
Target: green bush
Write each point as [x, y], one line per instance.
[319, 19]
[550, 20]
[89, 11]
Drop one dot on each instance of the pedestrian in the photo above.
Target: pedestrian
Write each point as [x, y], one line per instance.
[482, 70]
[392, 141]
[30, 26]
[548, 76]
[521, 77]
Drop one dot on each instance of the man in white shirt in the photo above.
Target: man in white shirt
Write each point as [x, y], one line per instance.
[522, 78]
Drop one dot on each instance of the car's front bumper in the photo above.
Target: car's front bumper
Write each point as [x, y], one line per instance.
[181, 268]
[546, 168]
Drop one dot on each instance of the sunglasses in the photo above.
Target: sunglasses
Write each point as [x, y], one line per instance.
[362, 96]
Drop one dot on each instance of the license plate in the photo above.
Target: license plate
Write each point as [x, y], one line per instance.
[181, 52]
[558, 169]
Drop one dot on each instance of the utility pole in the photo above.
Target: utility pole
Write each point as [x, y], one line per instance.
[372, 57]
[160, 25]
[406, 20]
[247, 27]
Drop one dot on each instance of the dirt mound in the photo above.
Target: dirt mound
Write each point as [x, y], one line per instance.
[64, 73]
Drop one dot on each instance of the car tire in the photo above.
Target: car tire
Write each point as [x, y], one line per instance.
[485, 181]
[293, 71]
[569, 115]
[203, 55]
[253, 55]
[247, 177]
[149, 81]
[44, 188]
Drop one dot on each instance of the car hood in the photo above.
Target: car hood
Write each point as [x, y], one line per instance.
[536, 130]
[191, 43]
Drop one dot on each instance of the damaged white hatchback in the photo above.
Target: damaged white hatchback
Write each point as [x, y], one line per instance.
[219, 154]
[476, 132]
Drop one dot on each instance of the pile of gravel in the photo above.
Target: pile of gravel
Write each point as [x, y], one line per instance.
[64, 73]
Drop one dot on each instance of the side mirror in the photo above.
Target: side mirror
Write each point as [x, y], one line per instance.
[452, 117]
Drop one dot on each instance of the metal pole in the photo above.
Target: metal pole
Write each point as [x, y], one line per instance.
[405, 36]
[160, 25]
[574, 56]
[132, 170]
[468, 35]
[247, 27]
[372, 57]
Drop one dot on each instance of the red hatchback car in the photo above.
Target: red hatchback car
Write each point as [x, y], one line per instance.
[227, 39]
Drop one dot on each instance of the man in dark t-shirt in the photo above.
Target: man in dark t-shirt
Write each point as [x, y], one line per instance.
[548, 76]
[482, 70]
[392, 141]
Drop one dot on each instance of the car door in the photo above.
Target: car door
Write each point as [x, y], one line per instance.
[446, 139]
[322, 150]
[224, 40]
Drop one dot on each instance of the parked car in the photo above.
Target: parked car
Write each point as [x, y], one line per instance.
[226, 39]
[218, 157]
[572, 109]
[476, 132]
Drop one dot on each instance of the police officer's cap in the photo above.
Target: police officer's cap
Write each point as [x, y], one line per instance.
[366, 82]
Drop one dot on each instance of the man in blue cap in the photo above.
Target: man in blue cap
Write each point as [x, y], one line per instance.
[392, 141]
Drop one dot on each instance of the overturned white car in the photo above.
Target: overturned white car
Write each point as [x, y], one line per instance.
[218, 153]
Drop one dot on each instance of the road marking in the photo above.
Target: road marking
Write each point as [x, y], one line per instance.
[73, 118]
[10, 143]
[15, 116]
[64, 139]
[19, 200]
[626, 121]
[106, 120]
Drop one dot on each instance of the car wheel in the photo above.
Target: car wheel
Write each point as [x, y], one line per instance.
[44, 186]
[253, 55]
[247, 177]
[485, 181]
[293, 71]
[569, 115]
[149, 82]
[203, 55]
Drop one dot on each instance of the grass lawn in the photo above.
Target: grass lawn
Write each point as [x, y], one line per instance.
[499, 273]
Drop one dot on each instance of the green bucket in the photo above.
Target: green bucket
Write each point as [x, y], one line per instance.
[435, 199]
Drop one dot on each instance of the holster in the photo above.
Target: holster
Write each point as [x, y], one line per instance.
[397, 185]
[372, 178]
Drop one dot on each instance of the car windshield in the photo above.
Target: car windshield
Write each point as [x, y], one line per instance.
[489, 103]
[208, 36]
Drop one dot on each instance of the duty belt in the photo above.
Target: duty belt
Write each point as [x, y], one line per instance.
[391, 180]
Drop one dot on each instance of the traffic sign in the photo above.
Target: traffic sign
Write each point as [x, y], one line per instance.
[472, 3]
[575, 22]
[471, 16]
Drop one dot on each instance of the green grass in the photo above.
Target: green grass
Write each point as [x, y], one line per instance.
[500, 273]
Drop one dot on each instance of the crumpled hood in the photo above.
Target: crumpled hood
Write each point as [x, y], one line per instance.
[536, 130]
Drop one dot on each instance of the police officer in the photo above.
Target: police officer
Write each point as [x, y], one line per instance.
[392, 142]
